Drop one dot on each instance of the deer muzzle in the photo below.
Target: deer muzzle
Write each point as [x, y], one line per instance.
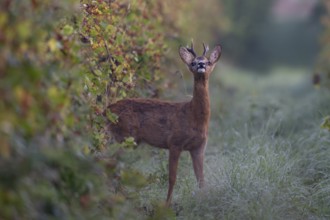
[201, 67]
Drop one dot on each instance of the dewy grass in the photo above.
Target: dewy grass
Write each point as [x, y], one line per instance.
[267, 157]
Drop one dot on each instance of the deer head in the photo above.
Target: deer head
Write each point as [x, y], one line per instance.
[200, 66]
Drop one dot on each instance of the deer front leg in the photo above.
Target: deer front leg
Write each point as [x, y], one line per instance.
[173, 166]
[197, 156]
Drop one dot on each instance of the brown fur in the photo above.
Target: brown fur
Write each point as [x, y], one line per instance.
[176, 126]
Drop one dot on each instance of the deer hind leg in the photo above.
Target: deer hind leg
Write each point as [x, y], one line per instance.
[173, 166]
[197, 156]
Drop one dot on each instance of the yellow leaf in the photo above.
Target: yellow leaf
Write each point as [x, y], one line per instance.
[52, 45]
[3, 19]
[86, 150]
[19, 93]
[52, 92]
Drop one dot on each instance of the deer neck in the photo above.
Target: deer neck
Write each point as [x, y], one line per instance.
[200, 102]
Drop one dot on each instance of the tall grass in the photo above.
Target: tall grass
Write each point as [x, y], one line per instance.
[267, 157]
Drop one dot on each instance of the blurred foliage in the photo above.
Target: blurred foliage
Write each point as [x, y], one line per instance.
[243, 22]
[255, 37]
[199, 21]
[323, 64]
[62, 63]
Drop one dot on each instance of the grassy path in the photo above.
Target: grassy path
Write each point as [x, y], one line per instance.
[267, 157]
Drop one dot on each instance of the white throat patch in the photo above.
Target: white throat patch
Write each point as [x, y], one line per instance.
[201, 70]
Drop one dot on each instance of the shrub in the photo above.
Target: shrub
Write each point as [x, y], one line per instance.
[61, 64]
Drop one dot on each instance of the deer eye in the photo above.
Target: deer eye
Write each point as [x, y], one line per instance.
[193, 63]
[209, 63]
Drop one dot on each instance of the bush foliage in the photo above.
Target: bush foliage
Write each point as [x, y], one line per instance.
[62, 63]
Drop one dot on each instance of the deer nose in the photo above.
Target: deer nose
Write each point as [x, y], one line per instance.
[201, 65]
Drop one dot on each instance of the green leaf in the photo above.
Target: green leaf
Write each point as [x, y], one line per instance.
[67, 30]
[127, 79]
[112, 116]
[110, 29]
[129, 142]
[133, 178]
[103, 24]
[326, 123]
[24, 30]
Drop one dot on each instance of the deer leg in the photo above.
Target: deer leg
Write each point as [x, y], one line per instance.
[197, 156]
[173, 165]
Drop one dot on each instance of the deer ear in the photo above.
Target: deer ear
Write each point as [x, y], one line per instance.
[185, 55]
[215, 55]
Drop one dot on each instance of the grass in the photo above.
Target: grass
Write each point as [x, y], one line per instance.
[267, 157]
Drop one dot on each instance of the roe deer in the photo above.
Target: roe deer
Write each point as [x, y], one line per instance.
[176, 126]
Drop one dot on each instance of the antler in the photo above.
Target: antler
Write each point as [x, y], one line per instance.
[206, 48]
[191, 50]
